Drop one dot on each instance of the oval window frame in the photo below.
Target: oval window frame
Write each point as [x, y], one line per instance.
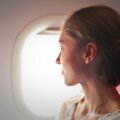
[34, 27]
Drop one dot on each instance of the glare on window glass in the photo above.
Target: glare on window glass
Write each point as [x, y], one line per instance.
[43, 87]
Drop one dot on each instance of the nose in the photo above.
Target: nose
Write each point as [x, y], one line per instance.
[58, 59]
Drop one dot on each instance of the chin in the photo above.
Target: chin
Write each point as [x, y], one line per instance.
[69, 83]
[67, 80]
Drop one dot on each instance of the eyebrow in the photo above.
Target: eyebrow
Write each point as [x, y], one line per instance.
[61, 41]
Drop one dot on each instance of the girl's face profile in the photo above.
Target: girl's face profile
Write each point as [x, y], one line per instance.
[69, 58]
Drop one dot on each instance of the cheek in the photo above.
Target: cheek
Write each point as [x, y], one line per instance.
[75, 65]
[65, 58]
[69, 61]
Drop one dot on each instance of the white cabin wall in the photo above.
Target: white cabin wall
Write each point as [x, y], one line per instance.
[14, 16]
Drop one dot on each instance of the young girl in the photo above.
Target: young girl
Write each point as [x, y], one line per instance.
[90, 56]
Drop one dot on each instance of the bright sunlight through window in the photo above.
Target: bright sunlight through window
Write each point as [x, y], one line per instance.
[43, 87]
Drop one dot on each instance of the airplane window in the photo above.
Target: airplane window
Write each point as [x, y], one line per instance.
[39, 87]
[42, 84]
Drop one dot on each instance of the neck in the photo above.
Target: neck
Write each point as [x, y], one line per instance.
[99, 97]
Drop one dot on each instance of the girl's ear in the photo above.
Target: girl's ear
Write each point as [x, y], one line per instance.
[90, 53]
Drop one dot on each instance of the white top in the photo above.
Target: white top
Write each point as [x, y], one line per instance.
[69, 106]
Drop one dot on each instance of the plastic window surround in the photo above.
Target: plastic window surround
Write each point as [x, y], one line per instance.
[33, 28]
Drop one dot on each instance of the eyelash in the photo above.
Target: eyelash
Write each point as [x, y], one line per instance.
[60, 46]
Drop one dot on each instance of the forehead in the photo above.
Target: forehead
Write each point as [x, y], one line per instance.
[66, 38]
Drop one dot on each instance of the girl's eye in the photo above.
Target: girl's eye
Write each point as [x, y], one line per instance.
[60, 46]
